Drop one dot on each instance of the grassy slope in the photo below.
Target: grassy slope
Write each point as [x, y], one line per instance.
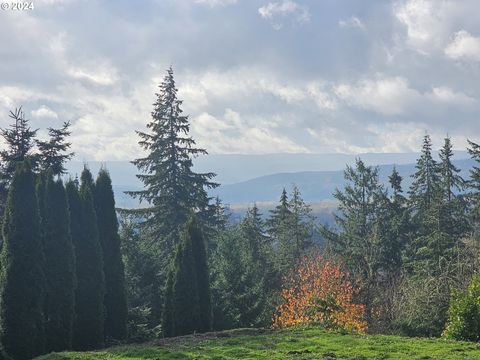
[287, 344]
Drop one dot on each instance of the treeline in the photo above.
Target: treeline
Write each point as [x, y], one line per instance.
[73, 277]
[410, 248]
[405, 248]
[61, 271]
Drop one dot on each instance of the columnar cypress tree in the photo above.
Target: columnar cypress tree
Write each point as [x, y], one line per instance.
[202, 276]
[22, 284]
[115, 298]
[188, 301]
[89, 295]
[60, 268]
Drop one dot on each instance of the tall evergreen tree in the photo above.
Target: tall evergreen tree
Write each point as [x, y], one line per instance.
[426, 180]
[22, 282]
[360, 239]
[190, 304]
[60, 268]
[115, 299]
[20, 140]
[253, 229]
[301, 223]
[279, 217]
[452, 206]
[53, 153]
[89, 295]
[172, 188]
[238, 284]
[474, 186]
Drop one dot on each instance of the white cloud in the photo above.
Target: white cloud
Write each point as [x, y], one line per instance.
[384, 95]
[352, 22]
[277, 13]
[215, 3]
[44, 112]
[232, 133]
[446, 95]
[464, 47]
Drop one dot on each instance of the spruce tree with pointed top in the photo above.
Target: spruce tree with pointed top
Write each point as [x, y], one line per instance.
[22, 281]
[54, 152]
[20, 140]
[60, 267]
[426, 180]
[172, 188]
[89, 294]
[115, 298]
[474, 186]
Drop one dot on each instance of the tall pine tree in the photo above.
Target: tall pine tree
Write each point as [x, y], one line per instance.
[60, 267]
[20, 140]
[115, 298]
[22, 282]
[172, 188]
[474, 186]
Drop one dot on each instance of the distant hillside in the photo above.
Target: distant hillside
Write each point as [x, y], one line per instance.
[315, 185]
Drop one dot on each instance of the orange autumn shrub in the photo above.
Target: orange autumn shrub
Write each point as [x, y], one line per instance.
[319, 292]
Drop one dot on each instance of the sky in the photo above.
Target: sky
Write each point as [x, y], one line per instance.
[256, 77]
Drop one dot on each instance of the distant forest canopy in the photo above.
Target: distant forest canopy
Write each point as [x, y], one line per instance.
[400, 255]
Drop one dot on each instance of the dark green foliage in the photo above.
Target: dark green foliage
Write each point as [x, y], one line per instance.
[20, 139]
[474, 187]
[464, 313]
[22, 283]
[238, 284]
[426, 180]
[89, 295]
[190, 303]
[115, 298]
[172, 188]
[168, 309]
[60, 268]
[142, 279]
[52, 152]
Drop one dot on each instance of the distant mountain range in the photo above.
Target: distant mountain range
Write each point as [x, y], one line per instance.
[260, 178]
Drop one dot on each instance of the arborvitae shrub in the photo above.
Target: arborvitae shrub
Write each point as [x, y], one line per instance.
[22, 281]
[60, 268]
[115, 298]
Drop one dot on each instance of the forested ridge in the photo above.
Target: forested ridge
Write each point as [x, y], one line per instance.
[77, 273]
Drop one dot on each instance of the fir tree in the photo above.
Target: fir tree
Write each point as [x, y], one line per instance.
[60, 268]
[20, 139]
[279, 217]
[426, 180]
[53, 153]
[115, 300]
[362, 228]
[172, 188]
[253, 229]
[474, 186]
[301, 223]
[22, 282]
[239, 284]
[452, 205]
[89, 295]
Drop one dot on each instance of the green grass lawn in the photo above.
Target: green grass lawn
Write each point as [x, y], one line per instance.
[307, 343]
